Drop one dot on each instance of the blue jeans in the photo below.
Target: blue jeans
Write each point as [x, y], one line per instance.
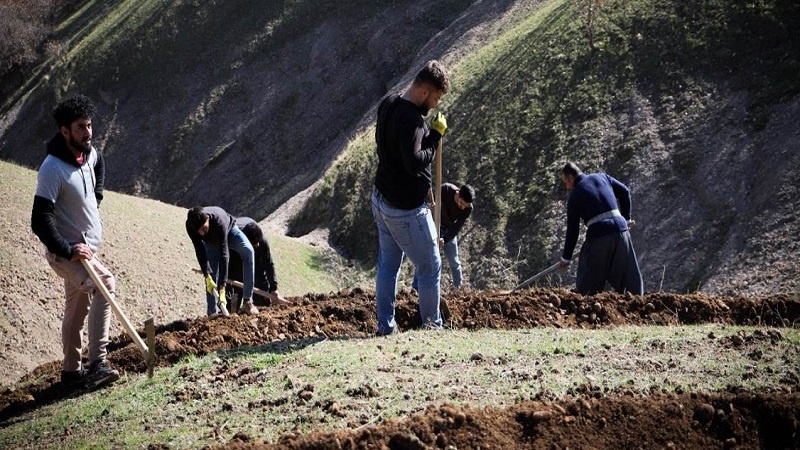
[451, 253]
[413, 233]
[238, 243]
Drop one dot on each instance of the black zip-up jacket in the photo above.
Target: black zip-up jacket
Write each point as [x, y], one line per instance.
[265, 277]
[453, 217]
[43, 221]
[405, 152]
[219, 225]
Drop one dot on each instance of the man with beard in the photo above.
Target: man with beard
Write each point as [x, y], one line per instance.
[66, 219]
[406, 148]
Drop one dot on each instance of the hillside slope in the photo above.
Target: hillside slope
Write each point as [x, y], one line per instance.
[230, 103]
[695, 108]
[145, 246]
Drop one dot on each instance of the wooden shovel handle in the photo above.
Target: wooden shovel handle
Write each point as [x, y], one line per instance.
[126, 324]
[437, 211]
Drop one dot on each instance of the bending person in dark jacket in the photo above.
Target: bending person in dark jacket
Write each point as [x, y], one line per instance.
[607, 254]
[265, 277]
[456, 209]
[213, 232]
[66, 218]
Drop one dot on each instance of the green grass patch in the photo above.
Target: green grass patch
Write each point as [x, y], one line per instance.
[329, 384]
[300, 267]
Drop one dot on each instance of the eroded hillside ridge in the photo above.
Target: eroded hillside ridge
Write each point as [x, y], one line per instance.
[261, 111]
[693, 108]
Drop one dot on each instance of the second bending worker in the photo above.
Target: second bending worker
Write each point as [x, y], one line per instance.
[265, 277]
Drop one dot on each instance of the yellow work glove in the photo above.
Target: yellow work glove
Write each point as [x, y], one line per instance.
[222, 300]
[210, 285]
[439, 123]
[222, 303]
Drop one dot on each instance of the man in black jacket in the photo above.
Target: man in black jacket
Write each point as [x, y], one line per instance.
[213, 231]
[456, 209]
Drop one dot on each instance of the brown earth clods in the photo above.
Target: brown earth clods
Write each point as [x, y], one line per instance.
[592, 420]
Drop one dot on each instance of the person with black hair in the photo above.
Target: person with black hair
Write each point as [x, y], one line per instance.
[406, 146]
[66, 218]
[604, 205]
[456, 209]
[213, 232]
[265, 276]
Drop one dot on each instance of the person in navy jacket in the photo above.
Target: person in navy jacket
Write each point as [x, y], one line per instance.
[604, 205]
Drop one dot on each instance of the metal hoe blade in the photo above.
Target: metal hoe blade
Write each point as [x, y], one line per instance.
[537, 276]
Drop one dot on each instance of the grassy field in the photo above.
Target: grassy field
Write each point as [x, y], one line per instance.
[328, 384]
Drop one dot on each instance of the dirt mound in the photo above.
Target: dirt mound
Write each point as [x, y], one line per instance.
[741, 421]
[351, 313]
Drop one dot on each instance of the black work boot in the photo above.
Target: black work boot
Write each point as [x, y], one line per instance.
[100, 374]
[73, 379]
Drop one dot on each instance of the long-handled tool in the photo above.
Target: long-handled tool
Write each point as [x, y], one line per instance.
[256, 290]
[537, 276]
[437, 216]
[437, 210]
[261, 292]
[148, 350]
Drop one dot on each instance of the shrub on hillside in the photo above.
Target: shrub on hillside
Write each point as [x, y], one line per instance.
[24, 25]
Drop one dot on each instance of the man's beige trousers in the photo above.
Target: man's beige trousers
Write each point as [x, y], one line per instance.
[83, 300]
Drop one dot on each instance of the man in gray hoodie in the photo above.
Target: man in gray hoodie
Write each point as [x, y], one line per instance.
[66, 219]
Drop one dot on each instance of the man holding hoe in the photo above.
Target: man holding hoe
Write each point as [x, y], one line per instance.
[406, 148]
[604, 204]
[213, 232]
[66, 218]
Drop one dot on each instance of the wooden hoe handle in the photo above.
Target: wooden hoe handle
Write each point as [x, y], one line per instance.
[148, 353]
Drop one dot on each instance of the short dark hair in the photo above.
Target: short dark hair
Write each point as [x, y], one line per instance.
[434, 74]
[571, 168]
[467, 193]
[74, 108]
[195, 218]
[253, 232]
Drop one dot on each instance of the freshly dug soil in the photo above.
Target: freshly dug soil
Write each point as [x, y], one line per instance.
[591, 420]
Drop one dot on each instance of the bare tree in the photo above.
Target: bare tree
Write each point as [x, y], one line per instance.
[590, 11]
